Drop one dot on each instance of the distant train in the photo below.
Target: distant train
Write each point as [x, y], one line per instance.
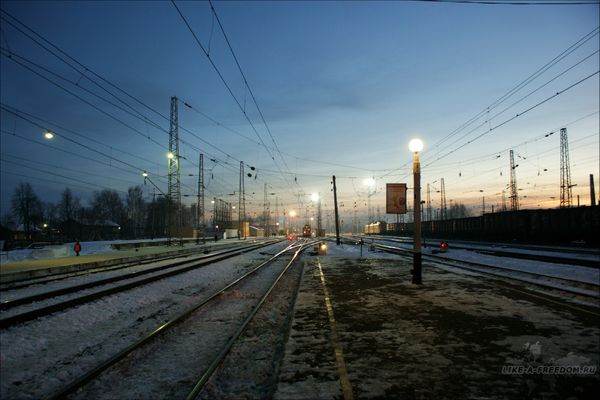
[564, 225]
[376, 228]
[306, 231]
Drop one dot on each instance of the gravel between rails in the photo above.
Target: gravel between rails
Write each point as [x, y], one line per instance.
[169, 366]
[41, 356]
[250, 370]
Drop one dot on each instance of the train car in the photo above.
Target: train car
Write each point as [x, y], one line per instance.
[306, 231]
[376, 228]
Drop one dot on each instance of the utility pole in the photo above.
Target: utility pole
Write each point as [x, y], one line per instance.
[265, 213]
[337, 216]
[276, 215]
[242, 204]
[428, 204]
[566, 193]
[592, 191]
[174, 194]
[503, 201]
[443, 207]
[200, 206]
[319, 220]
[514, 195]
[483, 206]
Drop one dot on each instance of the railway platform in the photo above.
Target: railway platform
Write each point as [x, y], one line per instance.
[31, 268]
[361, 329]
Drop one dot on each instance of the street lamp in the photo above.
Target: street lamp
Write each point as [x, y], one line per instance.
[416, 145]
[48, 135]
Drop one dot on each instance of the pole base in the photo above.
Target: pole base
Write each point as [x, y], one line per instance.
[416, 271]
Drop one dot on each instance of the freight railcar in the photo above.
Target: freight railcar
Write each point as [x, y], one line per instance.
[376, 228]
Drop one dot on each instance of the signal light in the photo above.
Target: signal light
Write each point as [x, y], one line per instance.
[443, 246]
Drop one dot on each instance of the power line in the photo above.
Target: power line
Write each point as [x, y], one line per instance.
[523, 83]
[54, 181]
[522, 98]
[242, 109]
[86, 69]
[514, 117]
[247, 85]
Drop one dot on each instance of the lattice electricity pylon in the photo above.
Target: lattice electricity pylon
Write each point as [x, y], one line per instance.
[514, 195]
[566, 193]
[443, 207]
[174, 193]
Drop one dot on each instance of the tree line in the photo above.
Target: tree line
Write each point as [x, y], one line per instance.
[134, 216]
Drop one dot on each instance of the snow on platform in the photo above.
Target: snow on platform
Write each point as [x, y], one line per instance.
[456, 336]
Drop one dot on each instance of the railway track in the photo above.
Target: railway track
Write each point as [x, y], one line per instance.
[193, 344]
[55, 274]
[587, 257]
[587, 291]
[115, 284]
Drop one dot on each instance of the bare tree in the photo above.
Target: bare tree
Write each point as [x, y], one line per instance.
[50, 213]
[8, 220]
[26, 206]
[69, 206]
[135, 210]
[108, 206]
[458, 210]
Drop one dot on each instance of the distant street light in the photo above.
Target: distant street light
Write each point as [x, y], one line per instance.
[48, 135]
[416, 145]
[314, 197]
[170, 155]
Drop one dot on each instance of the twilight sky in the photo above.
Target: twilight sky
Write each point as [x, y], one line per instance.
[342, 86]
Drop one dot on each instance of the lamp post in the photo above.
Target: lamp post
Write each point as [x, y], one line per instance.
[416, 145]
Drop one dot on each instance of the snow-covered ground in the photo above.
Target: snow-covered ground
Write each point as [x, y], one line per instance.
[66, 249]
[450, 338]
[37, 357]
[574, 272]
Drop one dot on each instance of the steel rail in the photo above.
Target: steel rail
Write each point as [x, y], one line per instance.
[43, 311]
[465, 266]
[87, 377]
[201, 382]
[5, 305]
[514, 254]
[115, 266]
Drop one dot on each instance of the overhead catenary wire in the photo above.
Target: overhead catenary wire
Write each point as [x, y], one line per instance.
[84, 70]
[522, 84]
[248, 85]
[224, 81]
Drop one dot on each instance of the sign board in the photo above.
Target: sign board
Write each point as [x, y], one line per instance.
[395, 198]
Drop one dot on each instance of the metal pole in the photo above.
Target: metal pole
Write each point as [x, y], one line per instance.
[592, 191]
[417, 210]
[337, 216]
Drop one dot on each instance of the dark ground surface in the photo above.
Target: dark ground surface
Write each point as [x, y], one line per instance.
[447, 339]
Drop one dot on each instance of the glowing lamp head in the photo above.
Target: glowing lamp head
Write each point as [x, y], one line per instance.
[314, 197]
[170, 155]
[369, 182]
[48, 135]
[415, 145]
[292, 213]
[145, 174]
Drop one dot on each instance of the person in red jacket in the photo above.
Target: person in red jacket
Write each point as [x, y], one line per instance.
[77, 247]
